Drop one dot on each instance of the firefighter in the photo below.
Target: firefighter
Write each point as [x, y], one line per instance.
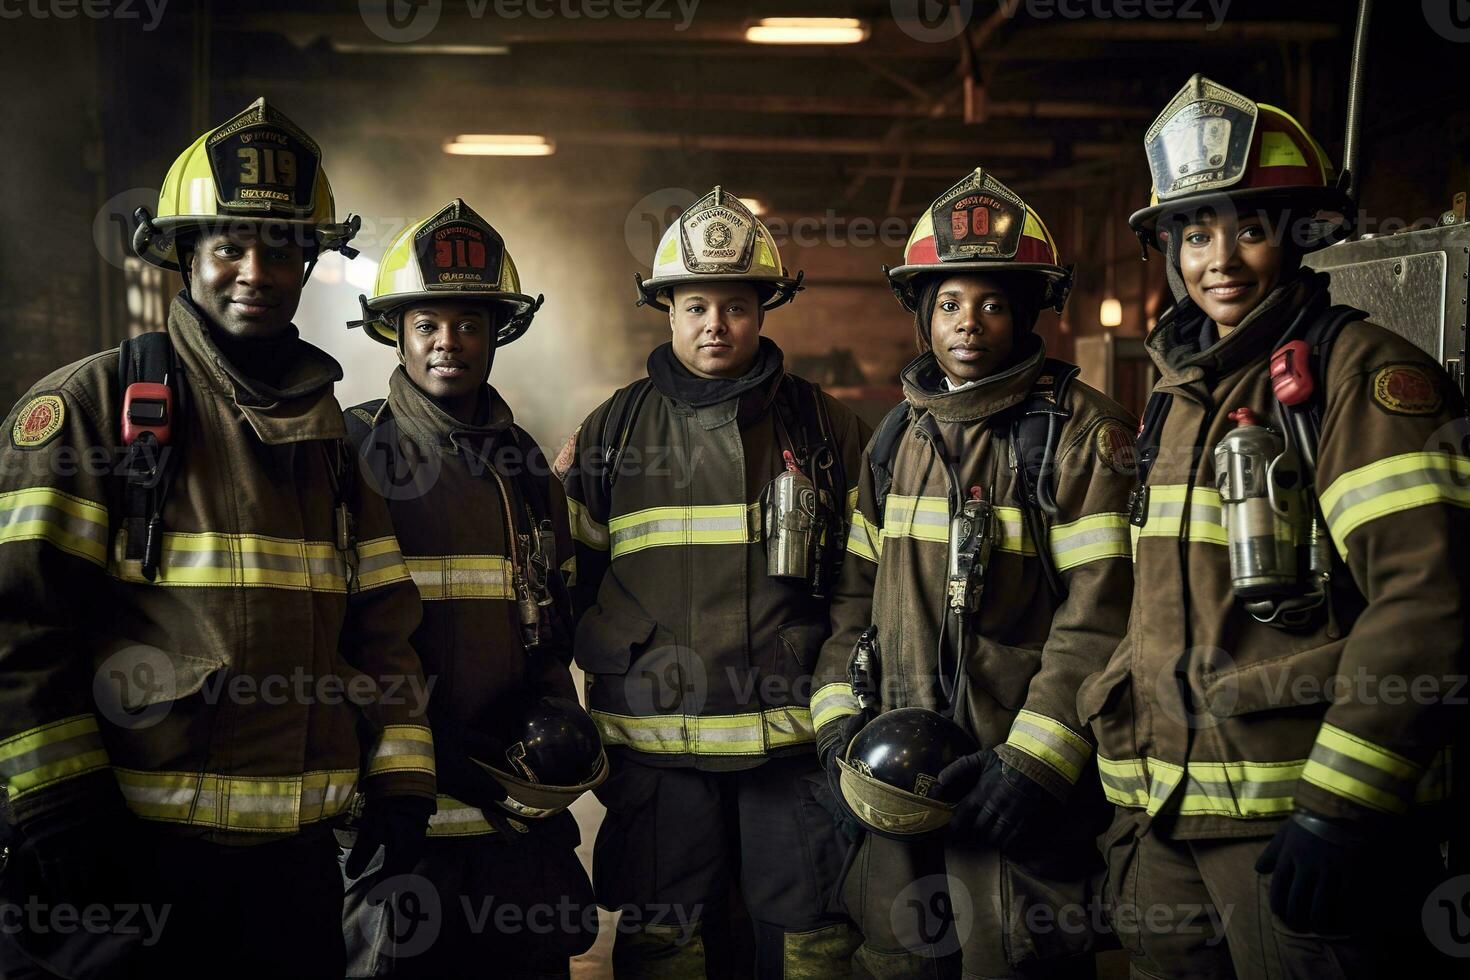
[987, 575]
[1295, 526]
[483, 526]
[204, 616]
[708, 502]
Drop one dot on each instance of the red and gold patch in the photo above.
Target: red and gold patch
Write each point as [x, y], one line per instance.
[564, 458]
[1116, 447]
[38, 422]
[1406, 389]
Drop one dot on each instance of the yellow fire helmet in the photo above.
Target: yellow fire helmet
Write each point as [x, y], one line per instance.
[718, 240]
[981, 225]
[455, 254]
[258, 167]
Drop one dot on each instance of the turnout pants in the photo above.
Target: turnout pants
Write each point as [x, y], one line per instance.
[1197, 910]
[475, 906]
[675, 841]
[935, 908]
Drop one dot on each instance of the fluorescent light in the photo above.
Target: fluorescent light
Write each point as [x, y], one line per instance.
[378, 47]
[756, 205]
[807, 30]
[1111, 313]
[499, 145]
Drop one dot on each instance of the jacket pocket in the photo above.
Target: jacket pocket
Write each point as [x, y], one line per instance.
[1004, 672]
[608, 639]
[1061, 891]
[801, 640]
[132, 677]
[1301, 678]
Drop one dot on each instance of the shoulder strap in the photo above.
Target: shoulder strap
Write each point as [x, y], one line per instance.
[533, 473]
[882, 448]
[360, 421]
[617, 426]
[1036, 430]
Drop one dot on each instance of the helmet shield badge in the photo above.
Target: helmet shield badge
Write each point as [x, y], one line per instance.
[977, 219]
[264, 165]
[456, 250]
[1201, 141]
[717, 235]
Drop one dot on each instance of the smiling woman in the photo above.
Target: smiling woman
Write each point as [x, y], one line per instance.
[1230, 264]
[448, 348]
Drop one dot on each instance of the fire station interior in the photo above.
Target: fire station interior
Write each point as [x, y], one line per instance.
[839, 147]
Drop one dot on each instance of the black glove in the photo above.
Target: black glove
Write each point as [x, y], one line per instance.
[81, 857]
[397, 823]
[461, 777]
[1319, 869]
[996, 801]
[848, 825]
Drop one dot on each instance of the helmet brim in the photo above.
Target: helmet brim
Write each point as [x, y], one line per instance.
[158, 244]
[1145, 222]
[379, 312]
[536, 801]
[783, 289]
[887, 810]
[903, 278]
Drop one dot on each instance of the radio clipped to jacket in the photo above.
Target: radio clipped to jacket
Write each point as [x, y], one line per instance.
[971, 537]
[1280, 560]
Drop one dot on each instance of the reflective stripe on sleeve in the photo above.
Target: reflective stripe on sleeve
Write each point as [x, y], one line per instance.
[72, 524]
[403, 748]
[40, 757]
[1391, 485]
[1051, 742]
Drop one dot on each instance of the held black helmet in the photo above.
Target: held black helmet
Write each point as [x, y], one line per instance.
[891, 771]
[553, 755]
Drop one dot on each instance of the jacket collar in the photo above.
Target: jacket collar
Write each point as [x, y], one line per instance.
[1174, 343]
[301, 408]
[429, 425]
[923, 386]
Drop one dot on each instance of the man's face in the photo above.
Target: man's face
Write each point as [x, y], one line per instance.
[1229, 265]
[716, 327]
[247, 280]
[448, 347]
[971, 329]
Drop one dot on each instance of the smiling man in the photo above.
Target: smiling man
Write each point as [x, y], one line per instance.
[483, 526]
[987, 576]
[1299, 507]
[708, 504]
[153, 609]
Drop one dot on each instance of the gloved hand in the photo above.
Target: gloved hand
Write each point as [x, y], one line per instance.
[1318, 870]
[463, 778]
[396, 823]
[996, 800]
[847, 822]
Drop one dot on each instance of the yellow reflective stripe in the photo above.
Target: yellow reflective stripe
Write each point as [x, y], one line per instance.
[1175, 508]
[569, 570]
[753, 733]
[240, 560]
[832, 701]
[39, 757]
[1093, 538]
[1124, 781]
[72, 524]
[379, 563]
[864, 539]
[920, 518]
[1012, 535]
[1354, 767]
[1051, 742]
[269, 804]
[584, 529]
[1391, 485]
[852, 502]
[664, 526]
[1241, 790]
[1436, 783]
[454, 818]
[462, 577]
[403, 748]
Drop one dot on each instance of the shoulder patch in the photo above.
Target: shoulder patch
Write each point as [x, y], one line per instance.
[1116, 446]
[1406, 389]
[564, 458]
[38, 422]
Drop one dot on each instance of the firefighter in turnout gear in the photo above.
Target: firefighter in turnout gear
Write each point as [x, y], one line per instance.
[1295, 531]
[708, 504]
[204, 616]
[483, 527]
[987, 576]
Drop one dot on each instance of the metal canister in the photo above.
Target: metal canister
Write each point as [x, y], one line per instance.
[1259, 508]
[791, 512]
[971, 535]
